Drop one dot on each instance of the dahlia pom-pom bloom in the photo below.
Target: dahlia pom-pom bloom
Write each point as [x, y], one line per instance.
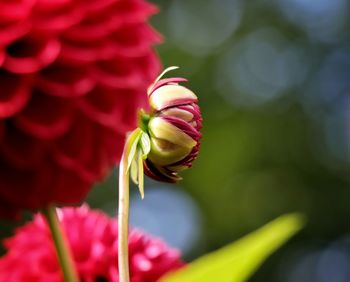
[92, 237]
[174, 129]
[72, 75]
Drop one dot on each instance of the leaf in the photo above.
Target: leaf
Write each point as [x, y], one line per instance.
[239, 260]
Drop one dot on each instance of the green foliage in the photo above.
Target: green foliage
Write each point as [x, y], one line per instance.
[239, 260]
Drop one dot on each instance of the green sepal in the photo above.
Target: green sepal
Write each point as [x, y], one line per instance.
[138, 148]
[132, 143]
[145, 143]
[136, 171]
[140, 174]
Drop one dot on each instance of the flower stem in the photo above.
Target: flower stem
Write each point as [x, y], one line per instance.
[123, 219]
[62, 249]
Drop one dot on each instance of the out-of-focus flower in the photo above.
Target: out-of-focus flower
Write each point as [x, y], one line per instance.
[92, 237]
[173, 127]
[72, 76]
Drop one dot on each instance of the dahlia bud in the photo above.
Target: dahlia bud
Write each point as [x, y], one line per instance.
[173, 128]
[166, 142]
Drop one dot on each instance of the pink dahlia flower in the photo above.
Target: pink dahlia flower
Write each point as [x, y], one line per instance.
[72, 75]
[92, 237]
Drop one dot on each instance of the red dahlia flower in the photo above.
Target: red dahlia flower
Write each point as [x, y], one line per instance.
[92, 237]
[72, 75]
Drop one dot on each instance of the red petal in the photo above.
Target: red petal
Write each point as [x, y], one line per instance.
[69, 178]
[46, 117]
[151, 171]
[134, 40]
[22, 150]
[116, 109]
[52, 16]
[30, 54]
[184, 126]
[66, 81]
[73, 151]
[13, 31]
[2, 57]
[167, 81]
[15, 10]
[14, 190]
[125, 74]
[14, 93]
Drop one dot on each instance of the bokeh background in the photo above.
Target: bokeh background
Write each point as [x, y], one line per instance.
[273, 77]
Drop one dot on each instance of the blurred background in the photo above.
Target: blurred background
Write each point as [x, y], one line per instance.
[273, 78]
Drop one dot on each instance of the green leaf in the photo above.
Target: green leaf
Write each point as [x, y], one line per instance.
[239, 260]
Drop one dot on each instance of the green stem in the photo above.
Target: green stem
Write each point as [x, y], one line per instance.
[62, 249]
[123, 218]
[129, 152]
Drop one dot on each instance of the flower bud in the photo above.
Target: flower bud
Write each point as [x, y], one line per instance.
[173, 128]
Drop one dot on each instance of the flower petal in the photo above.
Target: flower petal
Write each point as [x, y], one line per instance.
[163, 128]
[171, 95]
